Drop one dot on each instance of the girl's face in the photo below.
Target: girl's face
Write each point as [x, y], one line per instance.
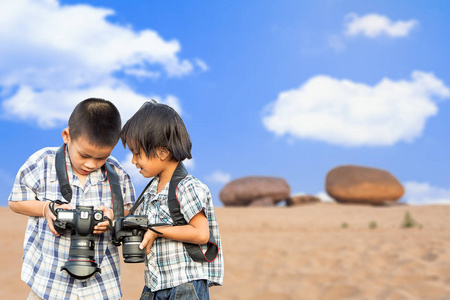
[84, 156]
[148, 166]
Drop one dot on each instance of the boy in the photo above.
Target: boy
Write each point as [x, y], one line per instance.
[159, 141]
[93, 131]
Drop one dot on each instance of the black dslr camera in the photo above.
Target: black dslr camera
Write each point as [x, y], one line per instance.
[81, 222]
[130, 231]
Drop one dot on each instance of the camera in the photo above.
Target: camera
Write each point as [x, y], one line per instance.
[130, 231]
[81, 222]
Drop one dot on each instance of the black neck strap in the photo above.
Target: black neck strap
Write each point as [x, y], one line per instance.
[66, 189]
[61, 172]
[174, 206]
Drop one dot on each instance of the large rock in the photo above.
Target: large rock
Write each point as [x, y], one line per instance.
[356, 184]
[255, 191]
[302, 199]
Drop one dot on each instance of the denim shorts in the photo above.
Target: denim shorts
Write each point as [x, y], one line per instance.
[194, 290]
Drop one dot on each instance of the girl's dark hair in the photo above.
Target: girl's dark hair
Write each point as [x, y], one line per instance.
[157, 125]
[98, 120]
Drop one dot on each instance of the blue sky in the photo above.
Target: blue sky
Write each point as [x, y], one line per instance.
[274, 88]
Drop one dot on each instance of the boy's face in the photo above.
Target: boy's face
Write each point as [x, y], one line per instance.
[84, 156]
[149, 166]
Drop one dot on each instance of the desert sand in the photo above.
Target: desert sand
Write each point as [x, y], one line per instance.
[319, 251]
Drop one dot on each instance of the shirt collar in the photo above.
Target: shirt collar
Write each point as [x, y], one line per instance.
[151, 192]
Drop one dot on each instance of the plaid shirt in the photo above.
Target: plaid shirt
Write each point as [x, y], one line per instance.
[45, 253]
[168, 264]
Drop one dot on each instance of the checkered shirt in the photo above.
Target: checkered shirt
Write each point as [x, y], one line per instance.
[168, 264]
[45, 253]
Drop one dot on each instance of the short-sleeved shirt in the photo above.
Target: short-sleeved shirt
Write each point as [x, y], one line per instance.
[168, 264]
[45, 253]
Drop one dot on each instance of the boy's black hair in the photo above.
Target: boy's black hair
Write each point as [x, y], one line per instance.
[96, 119]
[157, 125]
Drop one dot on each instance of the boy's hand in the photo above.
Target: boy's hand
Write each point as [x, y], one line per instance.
[147, 241]
[50, 217]
[101, 227]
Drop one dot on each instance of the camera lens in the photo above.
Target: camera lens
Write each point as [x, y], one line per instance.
[81, 263]
[131, 251]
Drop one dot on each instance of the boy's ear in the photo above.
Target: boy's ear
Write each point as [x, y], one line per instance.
[66, 135]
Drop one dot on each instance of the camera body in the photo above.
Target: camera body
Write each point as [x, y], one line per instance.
[130, 231]
[81, 222]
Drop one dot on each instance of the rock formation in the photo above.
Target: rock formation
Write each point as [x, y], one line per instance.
[255, 191]
[301, 199]
[357, 184]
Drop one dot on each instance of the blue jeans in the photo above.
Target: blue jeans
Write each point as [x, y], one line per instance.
[197, 289]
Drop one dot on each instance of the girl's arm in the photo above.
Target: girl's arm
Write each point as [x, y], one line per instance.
[196, 232]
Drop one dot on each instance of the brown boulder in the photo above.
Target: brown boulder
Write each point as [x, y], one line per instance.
[356, 184]
[302, 199]
[255, 191]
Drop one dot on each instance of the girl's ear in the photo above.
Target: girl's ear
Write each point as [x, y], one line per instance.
[66, 135]
[162, 153]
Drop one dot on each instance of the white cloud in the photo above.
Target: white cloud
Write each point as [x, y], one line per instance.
[54, 56]
[422, 193]
[336, 42]
[50, 108]
[201, 64]
[373, 25]
[189, 164]
[325, 197]
[348, 113]
[219, 177]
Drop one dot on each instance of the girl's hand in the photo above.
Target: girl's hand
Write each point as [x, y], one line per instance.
[101, 227]
[147, 241]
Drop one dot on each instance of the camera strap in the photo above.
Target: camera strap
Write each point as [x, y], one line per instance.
[66, 189]
[194, 250]
[61, 172]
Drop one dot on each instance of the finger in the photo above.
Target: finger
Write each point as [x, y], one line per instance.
[52, 216]
[147, 249]
[51, 227]
[145, 240]
[65, 206]
[104, 224]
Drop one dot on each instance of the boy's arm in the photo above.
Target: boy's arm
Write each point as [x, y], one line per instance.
[37, 208]
[196, 232]
[31, 208]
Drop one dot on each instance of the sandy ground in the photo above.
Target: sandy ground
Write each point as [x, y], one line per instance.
[319, 251]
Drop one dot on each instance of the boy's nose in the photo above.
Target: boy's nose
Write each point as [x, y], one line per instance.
[90, 164]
